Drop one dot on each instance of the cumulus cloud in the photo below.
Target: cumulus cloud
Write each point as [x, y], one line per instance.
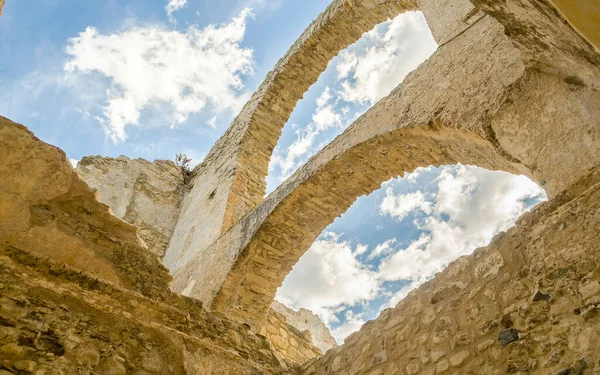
[352, 323]
[384, 57]
[152, 67]
[324, 118]
[327, 276]
[473, 204]
[399, 206]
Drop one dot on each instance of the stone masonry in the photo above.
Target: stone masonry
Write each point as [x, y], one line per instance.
[529, 303]
[472, 102]
[306, 320]
[514, 85]
[147, 195]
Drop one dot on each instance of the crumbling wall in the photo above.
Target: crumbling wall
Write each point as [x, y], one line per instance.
[306, 320]
[529, 303]
[47, 209]
[79, 293]
[145, 194]
[292, 344]
[57, 320]
[232, 178]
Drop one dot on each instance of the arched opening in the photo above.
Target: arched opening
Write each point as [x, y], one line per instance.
[355, 164]
[400, 236]
[354, 81]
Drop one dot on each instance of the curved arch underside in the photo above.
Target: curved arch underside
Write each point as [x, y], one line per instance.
[300, 217]
[482, 98]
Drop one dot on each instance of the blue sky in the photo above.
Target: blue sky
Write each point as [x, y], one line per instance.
[155, 78]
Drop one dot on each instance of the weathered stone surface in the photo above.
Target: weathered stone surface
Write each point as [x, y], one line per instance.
[45, 208]
[232, 179]
[541, 346]
[483, 110]
[293, 345]
[147, 195]
[507, 336]
[512, 87]
[67, 322]
[305, 320]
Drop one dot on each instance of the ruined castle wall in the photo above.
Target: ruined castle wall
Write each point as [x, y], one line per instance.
[47, 209]
[232, 179]
[291, 343]
[145, 194]
[525, 104]
[57, 320]
[306, 320]
[79, 293]
[529, 303]
[272, 237]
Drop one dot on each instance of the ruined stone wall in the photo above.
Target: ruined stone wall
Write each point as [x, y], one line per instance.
[47, 209]
[529, 303]
[291, 343]
[145, 194]
[306, 320]
[56, 320]
[491, 95]
[232, 179]
[80, 294]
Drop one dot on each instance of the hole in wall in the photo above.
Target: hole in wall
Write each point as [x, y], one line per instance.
[355, 80]
[400, 236]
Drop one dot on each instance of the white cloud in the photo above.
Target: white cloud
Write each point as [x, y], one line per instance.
[473, 204]
[327, 276]
[352, 323]
[389, 53]
[325, 117]
[74, 162]
[399, 206]
[360, 249]
[382, 249]
[153, 67]
[173, 6]
[212, 122]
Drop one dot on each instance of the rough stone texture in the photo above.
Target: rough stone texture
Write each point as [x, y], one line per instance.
[292, 344]
[55, 320]
[306, 320]
[492, 325]
[45, 208]
[480, 99]
[1, 6]
[232, 179]
[79, 292]
[147, 195]
[512, 86]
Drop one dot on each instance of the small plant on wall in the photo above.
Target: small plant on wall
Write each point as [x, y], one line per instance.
[183, 162]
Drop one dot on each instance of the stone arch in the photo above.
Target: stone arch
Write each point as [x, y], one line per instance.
[232, 177]
[459, 106]
[326, 193]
